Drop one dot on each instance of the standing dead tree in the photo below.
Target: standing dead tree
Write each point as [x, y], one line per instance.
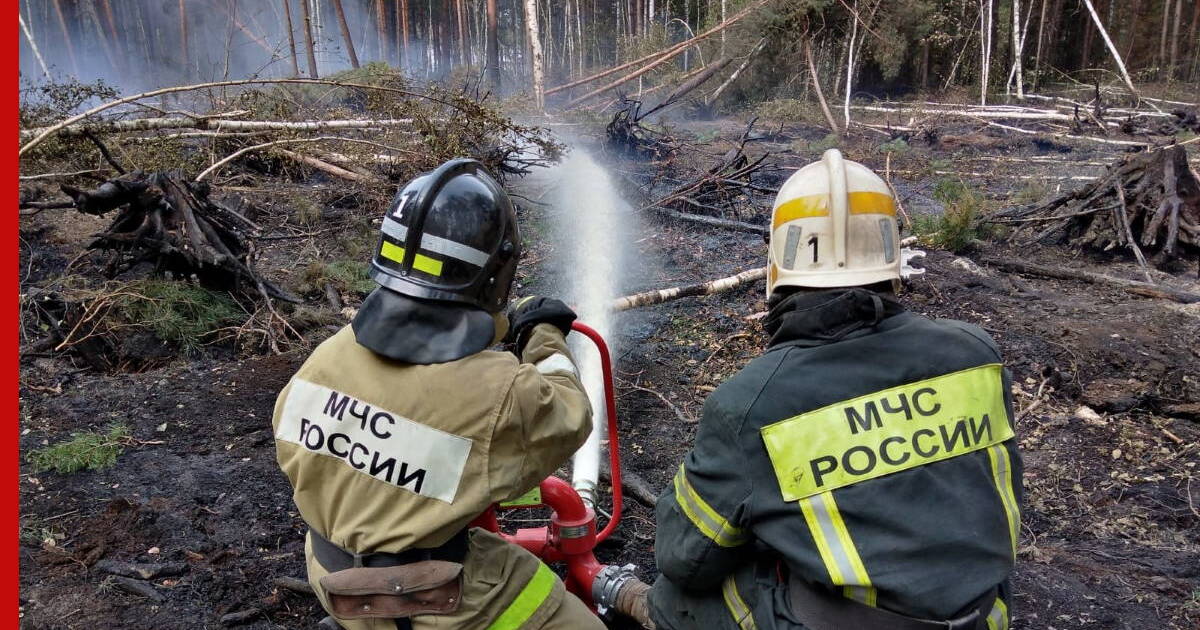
[1147, 200]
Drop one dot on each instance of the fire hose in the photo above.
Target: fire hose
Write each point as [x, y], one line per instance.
[571, 536]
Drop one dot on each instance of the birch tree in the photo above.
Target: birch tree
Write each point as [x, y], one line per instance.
[535, 48]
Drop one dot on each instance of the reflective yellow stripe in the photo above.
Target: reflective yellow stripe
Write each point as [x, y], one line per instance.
[737, 606]
[527, 602]
[817, 206]
[421, 262]
[998, 618]
[837, 547]
[1002, 475]
[888, 431]
[703, 516]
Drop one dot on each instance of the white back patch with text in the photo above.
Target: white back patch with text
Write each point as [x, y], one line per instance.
[374, 441]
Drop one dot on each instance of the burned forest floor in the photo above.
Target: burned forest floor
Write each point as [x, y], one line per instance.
[193, 525]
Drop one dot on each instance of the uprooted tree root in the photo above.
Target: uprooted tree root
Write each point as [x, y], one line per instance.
[1146, 201]
[628, 138]
[168, 225]
[170, 222]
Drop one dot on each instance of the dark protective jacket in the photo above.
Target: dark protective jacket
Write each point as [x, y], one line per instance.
[869, 449]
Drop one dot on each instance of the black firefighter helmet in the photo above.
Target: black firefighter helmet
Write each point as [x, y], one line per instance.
[450, 235]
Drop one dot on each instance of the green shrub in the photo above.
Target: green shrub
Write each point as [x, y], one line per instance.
[177, 312]
[89, 450]
[958, 224]
[898, 146]
[784, 110]
[307, 212]
[830, 141]
[1030, 193]
[345, 275]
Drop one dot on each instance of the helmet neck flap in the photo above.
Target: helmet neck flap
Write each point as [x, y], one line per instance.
[421, 332]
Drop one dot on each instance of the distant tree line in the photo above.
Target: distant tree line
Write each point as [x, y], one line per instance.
[883, 45]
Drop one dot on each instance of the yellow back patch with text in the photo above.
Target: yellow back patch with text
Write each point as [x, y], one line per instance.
[888, 431]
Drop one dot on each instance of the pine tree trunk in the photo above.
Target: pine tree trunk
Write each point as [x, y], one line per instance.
[493, 46]
[1162, 37]
[463, 58]
[403, 28]
[381, 21]
[850, 61]
[535, 48]
[62, 25]
[1171, 69]
[1195, 44]
[345, 28]
[183, 36]
[1086, 61]
[1131, 30]
[308, 40]
[287, 14]
[1037, 57]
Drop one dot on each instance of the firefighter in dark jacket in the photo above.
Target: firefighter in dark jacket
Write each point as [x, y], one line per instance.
[862, 474]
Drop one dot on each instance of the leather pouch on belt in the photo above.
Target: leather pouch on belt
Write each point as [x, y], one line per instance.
[420, 588]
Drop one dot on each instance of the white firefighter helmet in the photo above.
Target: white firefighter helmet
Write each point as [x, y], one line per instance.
[833, 225]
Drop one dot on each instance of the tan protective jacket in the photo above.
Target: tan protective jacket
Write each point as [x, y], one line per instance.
[384, 456]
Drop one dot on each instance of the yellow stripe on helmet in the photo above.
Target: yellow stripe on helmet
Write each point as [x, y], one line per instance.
[862, 202]
[421, 262]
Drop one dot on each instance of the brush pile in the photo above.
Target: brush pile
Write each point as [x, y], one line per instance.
[1148, 201]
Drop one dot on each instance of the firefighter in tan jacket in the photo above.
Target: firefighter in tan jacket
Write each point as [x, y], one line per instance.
[402, 428]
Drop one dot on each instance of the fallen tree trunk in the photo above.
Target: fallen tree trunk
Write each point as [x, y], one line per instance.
[1134, 287]
[689, 85]
[706, 288]
[737, 226]
[633, 484]
[669, 55]
[46, 132]
[658, 56]
[1147, 200]
[326, 167]
[217, 124]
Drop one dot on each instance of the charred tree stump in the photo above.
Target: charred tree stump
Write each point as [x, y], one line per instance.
[167, 220]
[1145, 202]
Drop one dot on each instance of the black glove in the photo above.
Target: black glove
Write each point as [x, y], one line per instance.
[528, 312]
